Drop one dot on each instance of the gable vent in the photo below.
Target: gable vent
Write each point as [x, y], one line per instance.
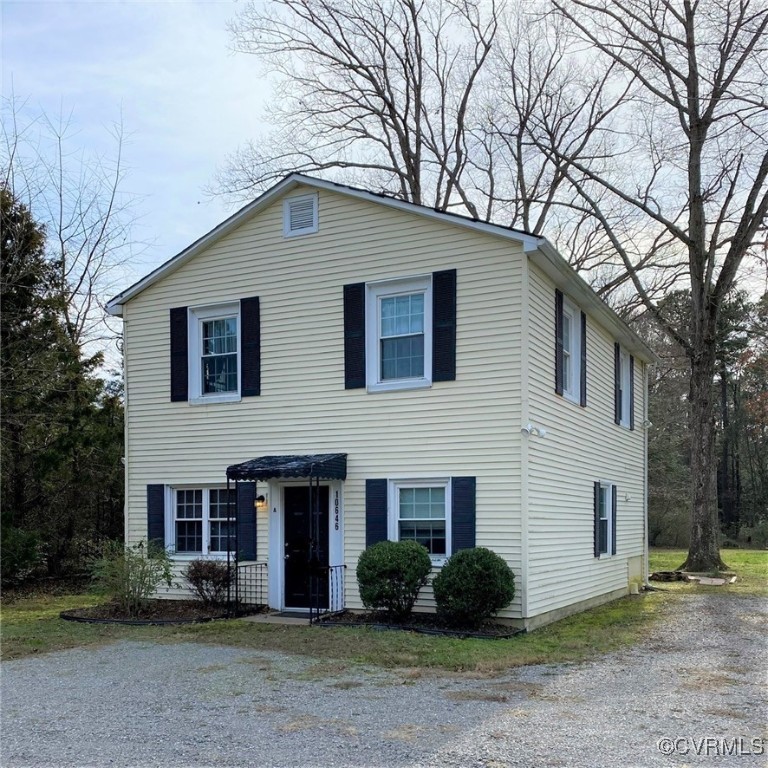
[300, 215]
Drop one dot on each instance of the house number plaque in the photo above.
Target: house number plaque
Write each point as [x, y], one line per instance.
[336, 511]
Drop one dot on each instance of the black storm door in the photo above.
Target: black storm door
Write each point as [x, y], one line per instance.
[306, 546]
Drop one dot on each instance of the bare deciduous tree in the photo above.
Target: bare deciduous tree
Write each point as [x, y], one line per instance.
[383, 90]
[79, 200]
[690, 143]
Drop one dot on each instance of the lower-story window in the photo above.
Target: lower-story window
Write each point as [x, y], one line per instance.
[605, 519]
[201, 522]
[420, 512]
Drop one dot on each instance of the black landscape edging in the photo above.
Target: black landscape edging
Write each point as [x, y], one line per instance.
[69, 616]
[462, 634]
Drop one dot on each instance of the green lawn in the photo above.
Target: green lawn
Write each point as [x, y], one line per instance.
[32, 625]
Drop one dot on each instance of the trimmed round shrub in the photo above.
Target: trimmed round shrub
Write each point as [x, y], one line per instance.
[473, 586]
[390, 575]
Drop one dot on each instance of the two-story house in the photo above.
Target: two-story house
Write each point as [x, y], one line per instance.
[439, 378]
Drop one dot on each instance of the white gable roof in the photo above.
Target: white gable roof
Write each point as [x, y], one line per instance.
[540, 250]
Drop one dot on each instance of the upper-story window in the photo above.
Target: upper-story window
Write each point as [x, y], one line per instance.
[214, 360]
[219, 355]
[624, 395]
[300, 215]
[215, 352]
[570, 350]
[399, 334]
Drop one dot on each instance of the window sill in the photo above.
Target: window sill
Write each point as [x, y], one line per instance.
[186, 557]
[208, 399]
[399, 386]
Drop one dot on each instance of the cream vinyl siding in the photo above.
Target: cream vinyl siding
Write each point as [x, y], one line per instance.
[582, 445]
[470, 426]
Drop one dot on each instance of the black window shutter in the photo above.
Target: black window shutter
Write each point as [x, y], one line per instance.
[463, 513]
[614, 499]
[631, 392]
[583, 387]
[156, 514]
[246, 521]
[250, 347]
[354, 336]
[558, 342]
[444, 325]
[617, 383]
[179, 352]
[596, 520]
[375, 511]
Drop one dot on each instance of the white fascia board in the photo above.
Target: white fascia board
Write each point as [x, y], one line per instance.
[547, 258]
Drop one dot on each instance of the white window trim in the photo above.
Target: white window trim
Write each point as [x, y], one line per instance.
[608, 486]
[287, 231]
[195, 318]
[373, 293]
[393, 508]
[170, 523]
[572, 386]
[624, 383]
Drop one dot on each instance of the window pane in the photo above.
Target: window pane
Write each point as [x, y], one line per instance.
[218, 502]
[603, 503]
[429, 534]
[422, 503]
[603, 536]
[220, 374]
[189, 504]
[567, 332]
[402, 315]
[189, 536]
[220, 531]
[402, 358]
[219, 363]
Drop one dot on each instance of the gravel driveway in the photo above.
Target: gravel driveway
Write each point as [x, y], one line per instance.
[699, 682]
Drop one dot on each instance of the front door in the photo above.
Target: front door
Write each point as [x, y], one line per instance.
[302, 529]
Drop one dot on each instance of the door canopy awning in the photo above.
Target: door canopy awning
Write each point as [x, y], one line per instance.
[323, 466]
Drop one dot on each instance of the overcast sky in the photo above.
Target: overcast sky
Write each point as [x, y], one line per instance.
[166, 70]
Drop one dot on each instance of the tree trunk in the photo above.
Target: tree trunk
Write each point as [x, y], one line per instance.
[703, 551]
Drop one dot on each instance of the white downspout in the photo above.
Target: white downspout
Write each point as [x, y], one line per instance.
[523, 440]
[646, 427]
[126, 454]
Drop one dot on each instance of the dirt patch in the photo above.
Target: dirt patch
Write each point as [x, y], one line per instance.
[475, 696]
[425, 623]
[155, 611]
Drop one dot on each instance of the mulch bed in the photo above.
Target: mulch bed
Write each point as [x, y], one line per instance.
[424, 623]
[156, 612]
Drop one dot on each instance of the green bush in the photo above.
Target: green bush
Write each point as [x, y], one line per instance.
[390, 575]
[19, 555]
[131, 575]
[474, 585]
[209, 580]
